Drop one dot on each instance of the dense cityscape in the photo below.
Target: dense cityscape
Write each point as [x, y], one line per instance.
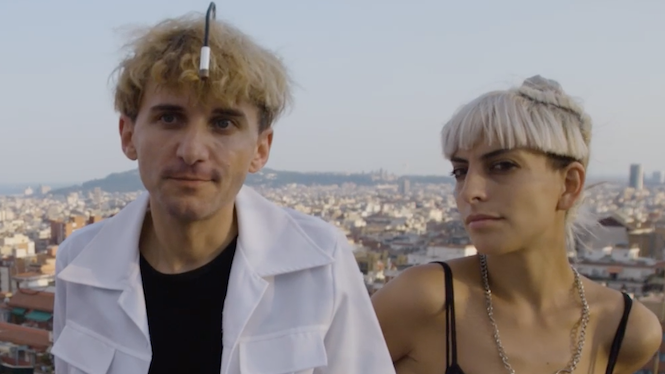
[392, 223]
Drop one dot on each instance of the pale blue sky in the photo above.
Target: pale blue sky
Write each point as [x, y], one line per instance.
[377, 77]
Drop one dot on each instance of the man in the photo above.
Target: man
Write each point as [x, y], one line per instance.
[201, 274]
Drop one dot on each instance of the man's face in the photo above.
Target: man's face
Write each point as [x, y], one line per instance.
[193, 157]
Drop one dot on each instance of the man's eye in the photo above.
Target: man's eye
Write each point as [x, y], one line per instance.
[168, 118]
[223, 123]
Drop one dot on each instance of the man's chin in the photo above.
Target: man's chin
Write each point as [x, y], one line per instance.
[190, 214]
[188, 208]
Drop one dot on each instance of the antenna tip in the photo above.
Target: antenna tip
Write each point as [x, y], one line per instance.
[204, 67]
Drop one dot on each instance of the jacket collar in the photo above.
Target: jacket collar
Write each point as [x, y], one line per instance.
[270, 240]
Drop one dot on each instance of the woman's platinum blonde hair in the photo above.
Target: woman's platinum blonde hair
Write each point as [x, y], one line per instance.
[537, 115]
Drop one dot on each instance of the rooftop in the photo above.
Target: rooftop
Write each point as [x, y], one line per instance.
[36, 300]
[36, 338]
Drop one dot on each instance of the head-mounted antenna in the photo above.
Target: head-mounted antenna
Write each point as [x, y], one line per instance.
[204, 65]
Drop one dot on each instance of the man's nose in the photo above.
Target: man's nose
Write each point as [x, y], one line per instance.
[193, 147]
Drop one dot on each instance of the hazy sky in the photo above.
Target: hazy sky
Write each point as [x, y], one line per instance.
[376, 78]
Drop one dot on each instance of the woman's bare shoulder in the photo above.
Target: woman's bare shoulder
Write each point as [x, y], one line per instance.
[409, 306]
[643, 338]
[417, 291]
[421, 289]
[643, 334]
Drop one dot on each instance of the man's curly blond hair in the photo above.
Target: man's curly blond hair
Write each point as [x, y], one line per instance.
[167, 55]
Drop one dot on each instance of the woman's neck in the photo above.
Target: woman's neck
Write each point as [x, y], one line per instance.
[538, 276]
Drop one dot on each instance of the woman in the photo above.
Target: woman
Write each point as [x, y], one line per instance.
[519, 158]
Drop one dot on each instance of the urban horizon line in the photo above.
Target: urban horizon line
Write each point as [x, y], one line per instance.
[591, 176]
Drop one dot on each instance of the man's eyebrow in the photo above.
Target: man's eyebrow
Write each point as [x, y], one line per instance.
[486, 156]
[177, 108]
[167, 108]
[229, 112]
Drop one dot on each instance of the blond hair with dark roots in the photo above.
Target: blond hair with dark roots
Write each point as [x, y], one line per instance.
[168, 54]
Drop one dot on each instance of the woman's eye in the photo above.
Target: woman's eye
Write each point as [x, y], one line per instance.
[503, 166]
[458, 172]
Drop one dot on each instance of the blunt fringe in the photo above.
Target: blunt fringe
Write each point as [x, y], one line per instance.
[538, 115]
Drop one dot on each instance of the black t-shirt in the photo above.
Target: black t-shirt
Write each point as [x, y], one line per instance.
[185, 315]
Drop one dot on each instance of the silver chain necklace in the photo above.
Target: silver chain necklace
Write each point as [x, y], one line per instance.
[584, 320]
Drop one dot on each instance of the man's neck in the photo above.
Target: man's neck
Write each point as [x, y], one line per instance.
[172, 247]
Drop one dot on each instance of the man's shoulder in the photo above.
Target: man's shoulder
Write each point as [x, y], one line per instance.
[77, 240]
[322, 233]
[319, 232]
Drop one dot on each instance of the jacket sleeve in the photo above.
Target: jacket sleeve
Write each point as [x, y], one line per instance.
[354, 342]
[59, 307]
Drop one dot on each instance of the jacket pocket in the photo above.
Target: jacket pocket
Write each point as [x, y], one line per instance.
[283, 353]
[80, 348]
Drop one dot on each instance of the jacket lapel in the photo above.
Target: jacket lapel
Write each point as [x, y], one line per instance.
[270, 242]
[132, 301]
[111, 261]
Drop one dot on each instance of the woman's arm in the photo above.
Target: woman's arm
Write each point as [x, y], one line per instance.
[407, 305]
[643, 338]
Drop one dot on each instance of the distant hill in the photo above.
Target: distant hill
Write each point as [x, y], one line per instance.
[127, 181]
[130, 181]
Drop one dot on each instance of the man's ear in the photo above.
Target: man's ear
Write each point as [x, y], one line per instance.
[264, 143]
[126, 128]
[573, 185]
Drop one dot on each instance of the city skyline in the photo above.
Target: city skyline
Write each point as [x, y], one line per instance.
[646, 175]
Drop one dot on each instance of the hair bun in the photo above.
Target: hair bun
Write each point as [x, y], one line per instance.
[549, 92]
[539, 83]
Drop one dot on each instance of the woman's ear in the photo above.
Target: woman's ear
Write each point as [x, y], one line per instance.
[572, 187]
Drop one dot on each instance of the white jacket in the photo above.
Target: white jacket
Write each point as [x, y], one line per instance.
[296, 301]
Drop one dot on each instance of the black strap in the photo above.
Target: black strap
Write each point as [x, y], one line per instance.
[451, 331]
[618, 337]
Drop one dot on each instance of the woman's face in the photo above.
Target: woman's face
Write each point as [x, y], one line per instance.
[513, 199]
